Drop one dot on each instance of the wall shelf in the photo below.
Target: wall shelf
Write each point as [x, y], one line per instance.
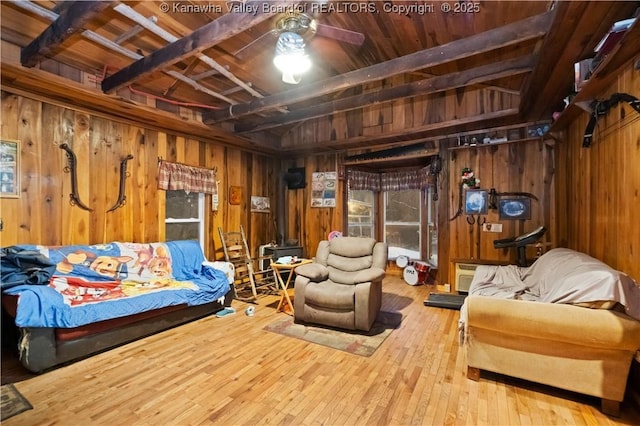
[486, 145]
[602, 77]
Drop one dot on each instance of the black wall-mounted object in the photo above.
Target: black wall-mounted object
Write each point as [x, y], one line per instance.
[601, 108]
[295, 178]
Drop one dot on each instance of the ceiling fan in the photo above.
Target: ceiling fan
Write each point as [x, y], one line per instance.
[304, 25]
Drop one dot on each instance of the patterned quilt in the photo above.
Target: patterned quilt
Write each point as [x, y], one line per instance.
[97, 282]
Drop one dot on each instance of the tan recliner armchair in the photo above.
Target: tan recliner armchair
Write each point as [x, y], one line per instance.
[343, 287]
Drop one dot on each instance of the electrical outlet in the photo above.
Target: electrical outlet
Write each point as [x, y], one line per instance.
[492, 227]
[447, 287]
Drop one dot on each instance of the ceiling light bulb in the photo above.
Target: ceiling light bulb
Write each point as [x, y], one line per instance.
[290, 57]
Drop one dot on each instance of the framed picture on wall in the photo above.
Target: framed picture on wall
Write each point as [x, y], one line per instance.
[475, 201]
[9, 169]
[235, 195]
[260, 204]
[514, 208]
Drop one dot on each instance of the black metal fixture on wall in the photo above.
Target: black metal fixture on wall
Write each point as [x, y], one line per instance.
[295, 178]
[601, 108]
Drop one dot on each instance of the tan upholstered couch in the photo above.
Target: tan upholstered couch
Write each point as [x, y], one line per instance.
[551, 328]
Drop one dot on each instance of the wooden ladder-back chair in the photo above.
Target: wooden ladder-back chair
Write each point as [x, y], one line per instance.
[250, 278]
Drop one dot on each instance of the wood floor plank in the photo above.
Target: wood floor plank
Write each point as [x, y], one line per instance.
[231, 371]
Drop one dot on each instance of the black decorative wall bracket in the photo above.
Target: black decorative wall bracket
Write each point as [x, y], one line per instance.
[74, 197]
[71, 167]
[601, 108]
[122, 198]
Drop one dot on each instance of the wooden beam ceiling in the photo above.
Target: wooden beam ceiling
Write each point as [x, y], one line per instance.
[530, 28]
[422, 87]
[72, 18]
[201, 39]
[520, 50]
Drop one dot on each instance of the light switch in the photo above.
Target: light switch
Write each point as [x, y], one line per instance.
[492, 227]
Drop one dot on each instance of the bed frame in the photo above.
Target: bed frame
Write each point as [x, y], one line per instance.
[42, 348]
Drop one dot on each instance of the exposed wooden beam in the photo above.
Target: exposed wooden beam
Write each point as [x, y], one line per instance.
[560, 51]
[201, 39]
[427, 86]
[533, 27]
[188, 70]
[413, 134]
[47, 87]
[72, 18]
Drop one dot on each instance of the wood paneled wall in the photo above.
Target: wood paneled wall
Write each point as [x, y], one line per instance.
[587, 197]
[519, 166]
[310, 225]
[397, 116]
[43, 214]
[525, 166]
[599, 187]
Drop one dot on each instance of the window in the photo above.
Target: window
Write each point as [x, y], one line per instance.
[184, 216]
[402, 226]
[432, 227]
[360, 218]
[406, 218]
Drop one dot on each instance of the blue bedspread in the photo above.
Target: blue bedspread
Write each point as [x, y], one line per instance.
[95, 283]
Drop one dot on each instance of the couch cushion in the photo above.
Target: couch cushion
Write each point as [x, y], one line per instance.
[350, 264]
[313, 271]
[330, 295]
[352, 246]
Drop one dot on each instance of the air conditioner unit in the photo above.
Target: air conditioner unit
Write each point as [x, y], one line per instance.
[464, 276]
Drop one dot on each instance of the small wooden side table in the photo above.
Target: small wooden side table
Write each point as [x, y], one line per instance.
[278, 268]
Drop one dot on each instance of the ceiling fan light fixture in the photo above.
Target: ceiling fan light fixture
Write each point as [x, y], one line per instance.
[290, 57]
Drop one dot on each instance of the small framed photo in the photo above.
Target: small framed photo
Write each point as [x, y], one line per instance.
[475, 201]
[9, 169]
[235, 195]
[260, 204]
[514, 208]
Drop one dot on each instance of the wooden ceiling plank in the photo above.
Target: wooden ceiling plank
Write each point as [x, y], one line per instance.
[72, 18]
[192, 65]
[201, 39]
[415, 134]
[559, 53]
[510, 34]
[432, 85]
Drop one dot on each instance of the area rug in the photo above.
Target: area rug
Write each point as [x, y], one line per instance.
[355, 342]
[12, 402]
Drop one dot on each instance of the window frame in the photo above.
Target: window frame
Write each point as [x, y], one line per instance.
[420, 222]
[428, 221]
[201, 219]
[374, 212]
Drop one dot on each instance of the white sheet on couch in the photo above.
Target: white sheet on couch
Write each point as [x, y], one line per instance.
[560, 276]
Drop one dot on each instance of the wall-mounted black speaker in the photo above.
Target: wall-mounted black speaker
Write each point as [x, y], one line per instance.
[295, 178]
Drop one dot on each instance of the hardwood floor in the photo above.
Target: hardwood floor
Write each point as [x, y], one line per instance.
[230, 371]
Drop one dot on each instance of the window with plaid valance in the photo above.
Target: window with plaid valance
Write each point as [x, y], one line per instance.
[175, 176]
[393, 181]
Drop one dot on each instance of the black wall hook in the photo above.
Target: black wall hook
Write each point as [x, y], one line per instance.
[72, 163]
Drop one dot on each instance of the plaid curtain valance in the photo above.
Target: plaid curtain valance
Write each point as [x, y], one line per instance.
[394, 181]
[412, 179]
[175, 176]
[359, 180]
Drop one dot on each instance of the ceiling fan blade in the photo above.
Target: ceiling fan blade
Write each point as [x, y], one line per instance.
[261, 42]
[340, 34]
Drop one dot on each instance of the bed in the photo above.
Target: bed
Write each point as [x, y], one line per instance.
[69, 302]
